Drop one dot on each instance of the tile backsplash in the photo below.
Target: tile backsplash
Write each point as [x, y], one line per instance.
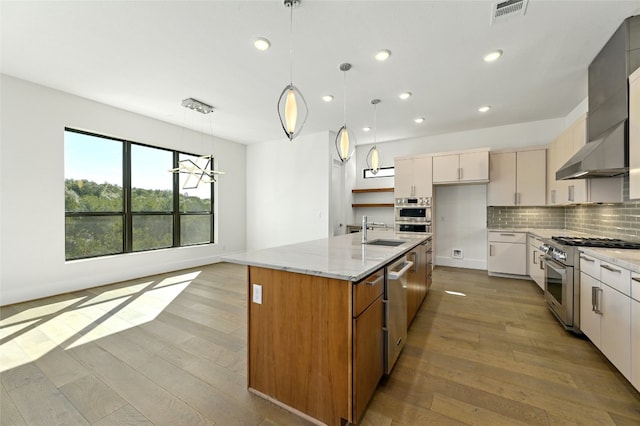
[603, 220]
[525, 217]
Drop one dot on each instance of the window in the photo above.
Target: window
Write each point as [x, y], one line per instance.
[383, 172]
[120, 197]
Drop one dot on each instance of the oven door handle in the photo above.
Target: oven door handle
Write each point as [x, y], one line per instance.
[550, 263]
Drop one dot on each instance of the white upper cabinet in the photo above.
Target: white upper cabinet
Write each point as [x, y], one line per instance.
[517, 178]
[413, 177]
[464, 167]
[634, 135]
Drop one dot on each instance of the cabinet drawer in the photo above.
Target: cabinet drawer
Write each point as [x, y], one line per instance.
[508, 237]
[635, 288]
[534, 241]
[590, 265]
[367, 290]
[616, 277]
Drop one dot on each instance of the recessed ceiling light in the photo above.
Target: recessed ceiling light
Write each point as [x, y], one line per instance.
[405, 95]
[383, 54]
[366, 129]
[419, 120]
[262, 43]
[327, 98]
[490, 57]
[484, 108]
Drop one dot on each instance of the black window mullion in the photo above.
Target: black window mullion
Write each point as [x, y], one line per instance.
[211, 239]
[126, 186]
[176, 201]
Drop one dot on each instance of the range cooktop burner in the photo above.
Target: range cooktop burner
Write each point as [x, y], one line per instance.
[596, 242]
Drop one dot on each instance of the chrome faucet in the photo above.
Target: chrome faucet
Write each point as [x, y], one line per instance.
[364, 229]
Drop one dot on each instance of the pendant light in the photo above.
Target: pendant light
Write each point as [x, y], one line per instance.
[345, 140]
[291, 104]
[373, 156]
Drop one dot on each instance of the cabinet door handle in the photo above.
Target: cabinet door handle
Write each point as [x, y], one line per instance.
[490, 249]
[541, 263]
[515, 198]
[609, 268]
[599, 301]
[596, 302]
[553, 196]
[636, 279]
[460, 177]
[570, 192]
[534, 260]
[588, 259]
[507, 235]
[376, 281]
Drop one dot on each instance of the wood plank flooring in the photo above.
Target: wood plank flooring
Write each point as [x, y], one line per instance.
[171, 350]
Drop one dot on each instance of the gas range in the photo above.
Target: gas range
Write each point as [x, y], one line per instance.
[596, 242]
[561, 262]
[565, 249]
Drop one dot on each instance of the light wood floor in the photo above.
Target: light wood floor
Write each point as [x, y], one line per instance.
[171, 350]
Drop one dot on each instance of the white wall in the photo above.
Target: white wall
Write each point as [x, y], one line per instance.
[288, 185]
[32, 219]
[460, 222]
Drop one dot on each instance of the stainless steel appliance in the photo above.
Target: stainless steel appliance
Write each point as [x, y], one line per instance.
[561, 261]
[395, 299]
[413, 215]
[606, 153]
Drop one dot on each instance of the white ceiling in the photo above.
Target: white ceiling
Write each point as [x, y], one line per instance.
[146, 56]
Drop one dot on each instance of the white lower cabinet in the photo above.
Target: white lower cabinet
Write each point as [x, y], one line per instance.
[535, 267]
[605, 310]
[507, 253]
[635, 330]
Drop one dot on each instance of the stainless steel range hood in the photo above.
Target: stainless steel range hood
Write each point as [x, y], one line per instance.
[606, 153]
[604, 157]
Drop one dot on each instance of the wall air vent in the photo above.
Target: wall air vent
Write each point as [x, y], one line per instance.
[505, 10]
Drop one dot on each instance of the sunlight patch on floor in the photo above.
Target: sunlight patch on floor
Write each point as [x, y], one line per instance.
[32, 333]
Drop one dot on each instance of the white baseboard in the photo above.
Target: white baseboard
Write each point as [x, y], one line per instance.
[461, 263]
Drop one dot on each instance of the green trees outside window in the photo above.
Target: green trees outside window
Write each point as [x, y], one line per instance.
[120, 197]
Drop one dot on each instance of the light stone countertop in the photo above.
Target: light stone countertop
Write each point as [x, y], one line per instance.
[543, 232]
[628, 259]
[342, 257]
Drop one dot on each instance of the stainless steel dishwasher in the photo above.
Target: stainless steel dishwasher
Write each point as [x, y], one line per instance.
[395, 299]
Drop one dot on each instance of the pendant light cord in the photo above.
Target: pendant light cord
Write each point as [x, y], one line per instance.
[291, 43]
[344, 105]
[375, 123]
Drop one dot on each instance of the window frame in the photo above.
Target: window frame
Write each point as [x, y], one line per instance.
[370, 175]
[128, 214]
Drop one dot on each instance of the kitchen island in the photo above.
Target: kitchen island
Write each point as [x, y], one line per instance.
[315, 323]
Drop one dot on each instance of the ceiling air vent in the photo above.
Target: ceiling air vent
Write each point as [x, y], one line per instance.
[507, 9]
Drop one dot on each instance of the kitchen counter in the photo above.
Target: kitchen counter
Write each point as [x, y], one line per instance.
[343, 257]
[543, 232]
[629, 259]
[316, 319]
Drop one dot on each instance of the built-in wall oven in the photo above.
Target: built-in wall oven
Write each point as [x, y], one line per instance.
[413, 215]
[561, 259]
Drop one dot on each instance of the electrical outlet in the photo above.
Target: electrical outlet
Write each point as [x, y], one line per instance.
[257, 294]
[456, 253]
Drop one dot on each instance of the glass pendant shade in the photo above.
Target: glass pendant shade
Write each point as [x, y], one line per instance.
[373, 156]
[292, 107]
[373, 160]
[345, 142]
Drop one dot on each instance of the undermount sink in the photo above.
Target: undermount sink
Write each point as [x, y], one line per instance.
[381, 242]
